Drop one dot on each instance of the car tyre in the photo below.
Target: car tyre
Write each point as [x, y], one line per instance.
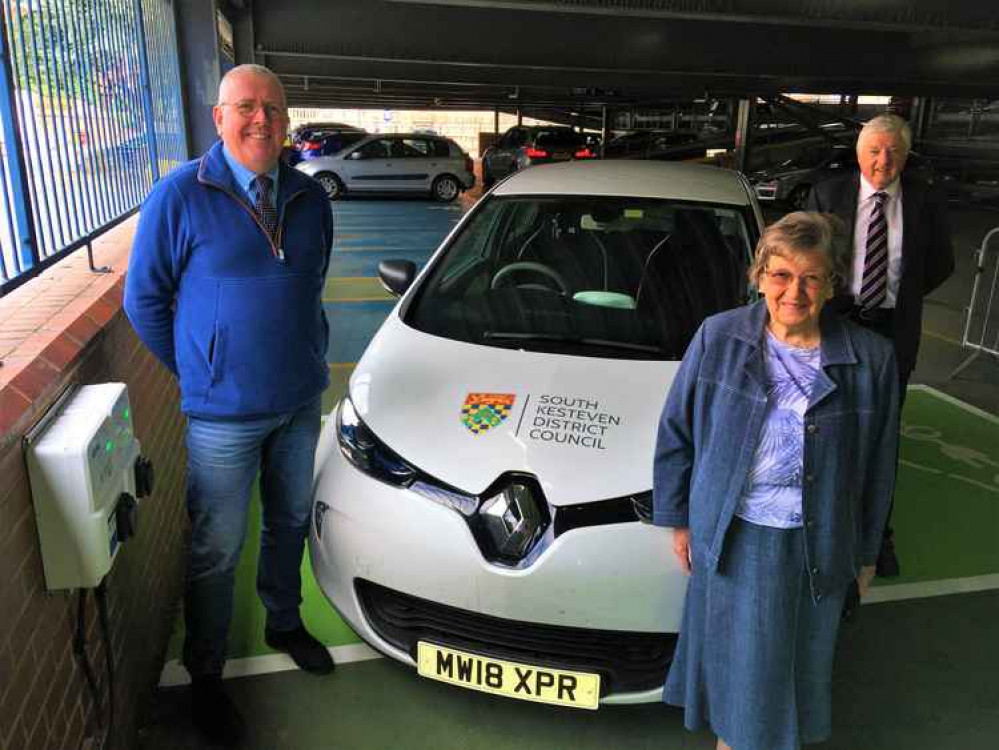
[445, 188]
[487, 177]
[331, 184]
[799, 197]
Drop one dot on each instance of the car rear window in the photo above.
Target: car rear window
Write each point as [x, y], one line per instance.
[603, 277]
[556, 137]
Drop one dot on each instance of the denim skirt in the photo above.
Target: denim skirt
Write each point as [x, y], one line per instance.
[755, 654]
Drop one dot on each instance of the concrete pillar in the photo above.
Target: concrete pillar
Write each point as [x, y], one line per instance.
[200, 70]
[745, 116]
[604, 130]
[921, 109]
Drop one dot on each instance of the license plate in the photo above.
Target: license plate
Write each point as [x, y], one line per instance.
[559, 155]
[523, 681]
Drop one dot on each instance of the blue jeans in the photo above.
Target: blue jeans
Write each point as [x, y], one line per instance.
[224, 457]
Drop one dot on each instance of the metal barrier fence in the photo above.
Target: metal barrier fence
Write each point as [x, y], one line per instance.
[91, 117]
[981, 326]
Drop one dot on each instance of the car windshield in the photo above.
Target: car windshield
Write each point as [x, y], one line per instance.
[588, 276]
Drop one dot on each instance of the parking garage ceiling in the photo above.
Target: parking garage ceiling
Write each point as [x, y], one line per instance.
[618, 53]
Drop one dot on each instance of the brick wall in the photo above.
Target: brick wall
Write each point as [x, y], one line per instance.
[44, 700]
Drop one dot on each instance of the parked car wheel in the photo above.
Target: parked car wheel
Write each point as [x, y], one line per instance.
[487, 177]
[331, 184]
[799, 197]
[445, 188]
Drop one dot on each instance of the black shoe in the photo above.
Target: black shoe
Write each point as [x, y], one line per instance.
[308, 653]
[214, 715]
[887, 562]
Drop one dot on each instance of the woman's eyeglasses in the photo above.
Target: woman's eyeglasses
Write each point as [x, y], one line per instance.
[781, 279]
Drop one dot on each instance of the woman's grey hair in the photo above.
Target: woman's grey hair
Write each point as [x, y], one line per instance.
[804, 232]
[888, 123]
[253, 68]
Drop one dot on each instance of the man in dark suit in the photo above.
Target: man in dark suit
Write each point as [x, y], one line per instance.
[902, 249]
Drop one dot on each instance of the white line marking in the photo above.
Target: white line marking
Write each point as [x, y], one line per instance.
[175, 674]
[914, 465]
[956, 402]
[990, 488]
[926, 589]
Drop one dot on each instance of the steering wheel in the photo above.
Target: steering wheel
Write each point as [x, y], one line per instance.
[531, 267]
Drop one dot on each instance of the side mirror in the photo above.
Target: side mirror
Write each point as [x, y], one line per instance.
[356, 155]
[396, 275]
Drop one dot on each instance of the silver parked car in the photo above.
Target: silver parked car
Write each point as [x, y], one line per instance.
[396, 162]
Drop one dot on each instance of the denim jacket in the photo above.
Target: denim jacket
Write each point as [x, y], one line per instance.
[712, 420]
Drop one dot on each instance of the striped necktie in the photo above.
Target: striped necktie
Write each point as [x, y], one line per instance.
[874, 289]
[265, 209]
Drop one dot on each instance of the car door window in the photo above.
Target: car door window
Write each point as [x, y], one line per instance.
[418, 147]
[375, 150]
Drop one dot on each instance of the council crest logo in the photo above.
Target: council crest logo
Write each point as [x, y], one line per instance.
[481, 411]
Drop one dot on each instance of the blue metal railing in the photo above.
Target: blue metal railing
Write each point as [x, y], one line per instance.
[91, 117]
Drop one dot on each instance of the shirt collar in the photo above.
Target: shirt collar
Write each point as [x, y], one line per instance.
[836, 346]
[867, 189]
[243, 176]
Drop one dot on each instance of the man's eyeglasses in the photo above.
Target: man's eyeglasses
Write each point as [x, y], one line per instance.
[248, 109]
[781, 279]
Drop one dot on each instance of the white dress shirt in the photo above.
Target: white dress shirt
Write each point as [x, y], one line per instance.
[893, 214]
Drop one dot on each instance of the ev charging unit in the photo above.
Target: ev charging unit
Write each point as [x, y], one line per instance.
[86, 472]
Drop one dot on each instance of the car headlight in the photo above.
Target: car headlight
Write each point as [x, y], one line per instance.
[366, 452]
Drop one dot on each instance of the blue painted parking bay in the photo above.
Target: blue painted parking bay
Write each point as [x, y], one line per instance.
[365, 233]
[369, 231]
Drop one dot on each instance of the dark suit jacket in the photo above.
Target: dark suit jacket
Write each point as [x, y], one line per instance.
[927, 252]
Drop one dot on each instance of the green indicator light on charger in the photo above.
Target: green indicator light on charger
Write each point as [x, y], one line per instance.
[126, 413]
[109, 446]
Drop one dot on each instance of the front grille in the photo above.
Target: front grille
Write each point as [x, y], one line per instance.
[626, 661]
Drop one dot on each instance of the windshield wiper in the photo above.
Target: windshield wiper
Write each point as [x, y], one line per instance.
[512, 338]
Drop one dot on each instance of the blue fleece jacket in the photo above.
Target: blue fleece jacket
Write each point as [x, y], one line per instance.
[236, 316]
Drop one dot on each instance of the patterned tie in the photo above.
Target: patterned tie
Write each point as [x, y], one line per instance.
[875, 286]
[265, 209]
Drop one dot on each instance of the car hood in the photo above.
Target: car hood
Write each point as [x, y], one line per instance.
[466, 414]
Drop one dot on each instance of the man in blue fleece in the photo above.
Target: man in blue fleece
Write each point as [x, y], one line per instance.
[225, 287]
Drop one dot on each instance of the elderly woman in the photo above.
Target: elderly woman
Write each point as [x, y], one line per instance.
[774, 466]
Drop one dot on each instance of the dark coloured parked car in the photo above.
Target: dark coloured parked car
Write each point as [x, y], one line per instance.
[313, 141]
[314, 129]
[524, 146]
[654, 144]
[790, 181]
[330, 143]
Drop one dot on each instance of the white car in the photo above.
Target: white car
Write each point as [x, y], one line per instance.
[480, 492]
[394, 163]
